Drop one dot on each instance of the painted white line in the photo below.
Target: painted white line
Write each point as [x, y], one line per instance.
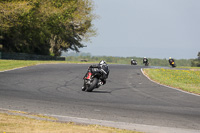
[169, 86]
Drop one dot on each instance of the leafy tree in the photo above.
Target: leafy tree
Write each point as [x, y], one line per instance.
[44, 26]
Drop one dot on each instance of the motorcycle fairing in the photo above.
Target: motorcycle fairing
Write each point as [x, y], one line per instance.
[89, 75]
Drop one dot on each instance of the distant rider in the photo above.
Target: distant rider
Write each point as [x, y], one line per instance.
[132, 61]
[101, 66]
[171, 60]
[145, 61]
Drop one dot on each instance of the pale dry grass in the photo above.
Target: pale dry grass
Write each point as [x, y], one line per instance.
[22, 124]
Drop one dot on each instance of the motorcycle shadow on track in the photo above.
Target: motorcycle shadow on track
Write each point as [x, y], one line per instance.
[95, 91]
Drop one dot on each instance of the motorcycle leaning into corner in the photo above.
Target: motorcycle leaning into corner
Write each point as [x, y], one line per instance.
[96, 76]
[171, 62]
[133, 62]
[145, 61]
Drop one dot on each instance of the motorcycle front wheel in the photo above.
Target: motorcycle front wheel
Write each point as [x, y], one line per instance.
[90, 88]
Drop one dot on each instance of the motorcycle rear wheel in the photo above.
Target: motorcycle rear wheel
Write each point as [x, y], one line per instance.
[90, 88]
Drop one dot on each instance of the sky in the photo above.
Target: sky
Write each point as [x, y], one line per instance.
[146, 28]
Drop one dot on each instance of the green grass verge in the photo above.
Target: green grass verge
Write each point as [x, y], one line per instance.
[192, 68]
[11, 64]
[186, 80]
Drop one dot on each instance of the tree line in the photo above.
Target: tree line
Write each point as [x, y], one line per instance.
[127, 60]
[45, 27]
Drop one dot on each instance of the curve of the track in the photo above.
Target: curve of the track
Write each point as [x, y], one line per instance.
[128, 96]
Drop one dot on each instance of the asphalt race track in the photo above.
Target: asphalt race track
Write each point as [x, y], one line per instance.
[128, 96]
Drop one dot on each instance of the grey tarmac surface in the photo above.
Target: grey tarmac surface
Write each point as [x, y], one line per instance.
[128, 98]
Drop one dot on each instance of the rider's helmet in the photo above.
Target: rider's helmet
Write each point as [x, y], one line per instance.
[145, 57]
[132, 59]
[170, 57]
[102, 62]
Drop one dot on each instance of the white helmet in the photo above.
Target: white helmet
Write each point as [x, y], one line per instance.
[170, 57]
[102, 62]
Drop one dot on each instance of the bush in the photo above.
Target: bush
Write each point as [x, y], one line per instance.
[195, 63]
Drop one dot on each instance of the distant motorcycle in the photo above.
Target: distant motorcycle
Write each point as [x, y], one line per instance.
[133, 62]
[145, 61]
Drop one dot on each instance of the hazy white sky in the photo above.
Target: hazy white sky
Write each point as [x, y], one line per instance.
[151, 28]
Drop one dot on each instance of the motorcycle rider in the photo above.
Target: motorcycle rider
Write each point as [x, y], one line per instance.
[171, 60]
[145, 60]
[102, 66]
[133, 62]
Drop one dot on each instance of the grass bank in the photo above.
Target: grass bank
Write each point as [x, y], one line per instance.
[23, 124]
[11, 64]
[187, 80]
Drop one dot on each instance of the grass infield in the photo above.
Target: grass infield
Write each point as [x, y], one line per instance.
[187, 80]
